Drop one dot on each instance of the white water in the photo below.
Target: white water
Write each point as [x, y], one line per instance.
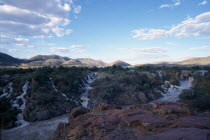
[173, 92]
[6, 93]
[41, 130]
[20, 120]
[84, 96]
[202, 72]
[53, 85]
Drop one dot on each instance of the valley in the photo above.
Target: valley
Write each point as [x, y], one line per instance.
[32, 97]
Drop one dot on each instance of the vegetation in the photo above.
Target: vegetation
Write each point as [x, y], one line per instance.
[199, 96]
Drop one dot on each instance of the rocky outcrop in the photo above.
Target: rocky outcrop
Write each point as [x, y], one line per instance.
[158, 121]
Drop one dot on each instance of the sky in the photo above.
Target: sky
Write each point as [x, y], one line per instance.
[135, 31]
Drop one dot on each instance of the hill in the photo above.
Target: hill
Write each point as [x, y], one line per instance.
[7, 60]
[91, 62]
[119, 63]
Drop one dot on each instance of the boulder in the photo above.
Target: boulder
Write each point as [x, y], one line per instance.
[167, 84]
[187, 94]
[105, 106]
[180, 134]
[78, 111]
[193, 121]
[143, 119]
[170, 108]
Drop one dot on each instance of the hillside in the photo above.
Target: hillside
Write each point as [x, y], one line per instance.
[47, 57]
[188, 62]
[91, 62]
[48, 60]
[195, 61]
[8, 60]
[56, 60]
[119, 63]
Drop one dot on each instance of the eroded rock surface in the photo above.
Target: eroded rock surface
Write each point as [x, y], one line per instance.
[158, 121]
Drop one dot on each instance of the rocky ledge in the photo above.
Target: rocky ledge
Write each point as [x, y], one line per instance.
[157, 121]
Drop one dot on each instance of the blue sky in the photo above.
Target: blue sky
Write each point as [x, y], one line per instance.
[135, 31]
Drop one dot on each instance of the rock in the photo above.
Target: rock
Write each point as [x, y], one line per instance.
[78, 111]
[170, 108]
[187, 94]
[143, 119]
[142, 97]
[167, 84]
[141, 122]
[193, 121]
[105, 106]
[181, 134]
[186, 74]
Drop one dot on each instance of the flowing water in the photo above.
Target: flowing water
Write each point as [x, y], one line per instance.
[84, 96]
[173, 92]
[41, 130]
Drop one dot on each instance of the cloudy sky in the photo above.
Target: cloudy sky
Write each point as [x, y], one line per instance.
[136, 31]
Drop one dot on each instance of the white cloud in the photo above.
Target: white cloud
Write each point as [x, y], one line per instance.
[164, 5]
[24, 40]
[201, 48]
[12, 50]
[77, 46]
[176, 3]
[20, 45]
[36, 18]
[30, 46]
[144, 55]
[70, 49]
[77, 9]
[151, 50]
[203, 3]
[198, 26]
[7, 40]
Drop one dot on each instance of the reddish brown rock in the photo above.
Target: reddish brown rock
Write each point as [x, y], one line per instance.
[143, 119]
[170, 108]
[78, 111]
[142, 122]
[193, 121]
[181, 134]
[105, 106]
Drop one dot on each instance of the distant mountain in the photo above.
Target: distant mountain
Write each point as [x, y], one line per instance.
[188, 62]
[195, 61]
[91, 62]
[119, 63]
[7, 60]
[48, 60]
[47, 57]
[56, 60]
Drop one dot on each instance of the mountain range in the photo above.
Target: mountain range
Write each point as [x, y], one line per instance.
[56, 60]
[53, 60]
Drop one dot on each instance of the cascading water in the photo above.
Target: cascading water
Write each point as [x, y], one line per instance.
[84, 96]
[20, 120]
[7, 91]
[173, 92]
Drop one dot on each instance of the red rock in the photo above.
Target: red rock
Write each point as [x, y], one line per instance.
[141, 122]
[165, 108]
[181, 134]
[193, 121]
[143, 119]
[105, 106]
[78, 111]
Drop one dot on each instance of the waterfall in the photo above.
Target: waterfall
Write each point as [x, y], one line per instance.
[84, 96]
[173, 92]
[20, 119]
